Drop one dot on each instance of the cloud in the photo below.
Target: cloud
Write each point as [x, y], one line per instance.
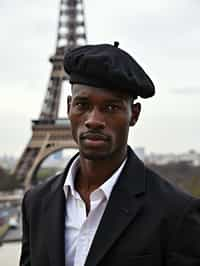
[186, 90]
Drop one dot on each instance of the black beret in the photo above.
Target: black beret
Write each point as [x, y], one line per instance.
[107, 66]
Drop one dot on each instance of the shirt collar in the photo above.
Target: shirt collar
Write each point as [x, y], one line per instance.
[106, 187]
[69, 181]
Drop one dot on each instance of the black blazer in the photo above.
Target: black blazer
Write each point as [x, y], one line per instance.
[147, 222]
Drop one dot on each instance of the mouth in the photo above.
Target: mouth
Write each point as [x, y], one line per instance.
[94, 139]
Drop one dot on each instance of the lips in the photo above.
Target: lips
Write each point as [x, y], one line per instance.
[94, 136]
[94, 139]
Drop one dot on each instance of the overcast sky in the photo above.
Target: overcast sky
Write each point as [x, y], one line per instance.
[162, 35]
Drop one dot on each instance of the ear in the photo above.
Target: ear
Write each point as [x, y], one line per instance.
[69, 99]
[135, 112]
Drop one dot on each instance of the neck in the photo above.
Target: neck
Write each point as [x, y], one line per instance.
[93, 173]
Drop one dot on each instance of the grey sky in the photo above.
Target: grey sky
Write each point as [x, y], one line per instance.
[163, 36]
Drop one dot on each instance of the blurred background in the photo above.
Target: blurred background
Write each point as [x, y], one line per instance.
[163, 36]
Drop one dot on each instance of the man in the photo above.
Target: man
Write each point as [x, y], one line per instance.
[107, 208]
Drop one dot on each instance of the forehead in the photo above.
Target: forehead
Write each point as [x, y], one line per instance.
[86, 91]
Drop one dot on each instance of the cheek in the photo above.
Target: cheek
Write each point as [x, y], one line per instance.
[120, 127]
[76, 125]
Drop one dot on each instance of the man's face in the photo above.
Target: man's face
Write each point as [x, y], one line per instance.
[100, 121]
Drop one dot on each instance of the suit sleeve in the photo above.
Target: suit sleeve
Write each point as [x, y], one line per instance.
[186, 239]
[25, 251]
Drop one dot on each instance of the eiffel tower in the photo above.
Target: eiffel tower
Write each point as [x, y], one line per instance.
[51, 133]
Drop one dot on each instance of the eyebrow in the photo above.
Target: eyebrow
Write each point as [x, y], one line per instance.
[111, 100]
[82, 98]
[119, 101]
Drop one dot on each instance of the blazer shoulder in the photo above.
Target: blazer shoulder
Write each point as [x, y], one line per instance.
[38, 192]
[159, 191]
[33, 196]
[167, 192]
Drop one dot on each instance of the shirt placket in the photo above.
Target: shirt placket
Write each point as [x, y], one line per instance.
[82, 237]
[86, 232]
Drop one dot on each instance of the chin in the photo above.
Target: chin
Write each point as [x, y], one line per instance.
[95, 156]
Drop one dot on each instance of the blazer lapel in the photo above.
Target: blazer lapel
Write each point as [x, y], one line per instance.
[54, 222]
[125, 203]
[54, 227]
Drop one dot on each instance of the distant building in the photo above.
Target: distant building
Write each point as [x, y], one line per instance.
[191, 157]
[8, 162]
[58, 155]
[140, 152]
[59, 159]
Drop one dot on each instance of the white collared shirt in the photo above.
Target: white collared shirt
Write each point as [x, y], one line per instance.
[80, 229]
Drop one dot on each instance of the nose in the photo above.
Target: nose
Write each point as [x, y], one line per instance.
[95, 120]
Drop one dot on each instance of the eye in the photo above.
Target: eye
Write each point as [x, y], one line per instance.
[81, 105]
[112, 107]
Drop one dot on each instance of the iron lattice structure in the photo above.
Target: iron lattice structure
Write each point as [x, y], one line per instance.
[49, 133]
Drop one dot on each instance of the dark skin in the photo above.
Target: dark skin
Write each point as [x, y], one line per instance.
[100, 121]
